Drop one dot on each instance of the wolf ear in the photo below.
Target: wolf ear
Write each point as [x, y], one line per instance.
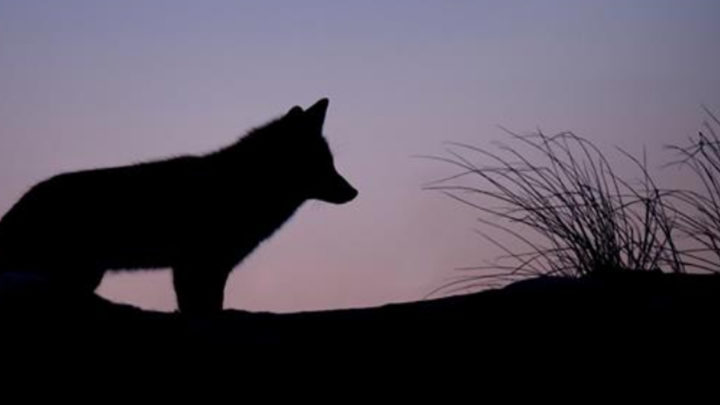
[315, 115]
[294, 112]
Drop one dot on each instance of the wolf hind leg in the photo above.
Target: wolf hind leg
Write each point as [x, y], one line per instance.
[199, 290]
[86, 279]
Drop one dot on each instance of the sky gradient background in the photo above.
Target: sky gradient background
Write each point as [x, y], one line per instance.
[87, 84]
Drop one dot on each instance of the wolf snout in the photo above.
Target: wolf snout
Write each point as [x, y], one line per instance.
[341, 192]
[351, 193]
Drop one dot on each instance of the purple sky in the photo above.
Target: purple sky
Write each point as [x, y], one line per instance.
[87, 83]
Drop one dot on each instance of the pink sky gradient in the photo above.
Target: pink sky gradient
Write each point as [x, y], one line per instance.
[86, 84]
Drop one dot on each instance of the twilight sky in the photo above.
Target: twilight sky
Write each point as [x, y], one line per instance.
[92, 83]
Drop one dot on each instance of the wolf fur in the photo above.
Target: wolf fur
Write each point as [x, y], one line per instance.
[199, 215]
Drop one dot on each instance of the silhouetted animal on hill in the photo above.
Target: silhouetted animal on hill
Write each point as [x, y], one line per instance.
[199, 215]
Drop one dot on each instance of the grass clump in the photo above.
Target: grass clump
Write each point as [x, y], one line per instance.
[564, 209]
[698, 211]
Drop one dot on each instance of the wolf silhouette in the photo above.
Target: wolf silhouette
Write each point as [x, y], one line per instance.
[199, 215]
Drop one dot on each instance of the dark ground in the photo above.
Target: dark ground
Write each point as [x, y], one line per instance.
[630, 311]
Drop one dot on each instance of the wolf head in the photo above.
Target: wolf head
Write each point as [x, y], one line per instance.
[307, 155]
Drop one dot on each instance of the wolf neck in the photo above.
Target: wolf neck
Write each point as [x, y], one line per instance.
[251, 178]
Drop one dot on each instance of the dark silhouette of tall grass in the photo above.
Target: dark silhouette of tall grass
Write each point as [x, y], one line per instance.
[698, 211]
[564, 208]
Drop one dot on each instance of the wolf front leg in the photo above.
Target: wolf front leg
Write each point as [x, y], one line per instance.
[199, 290]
